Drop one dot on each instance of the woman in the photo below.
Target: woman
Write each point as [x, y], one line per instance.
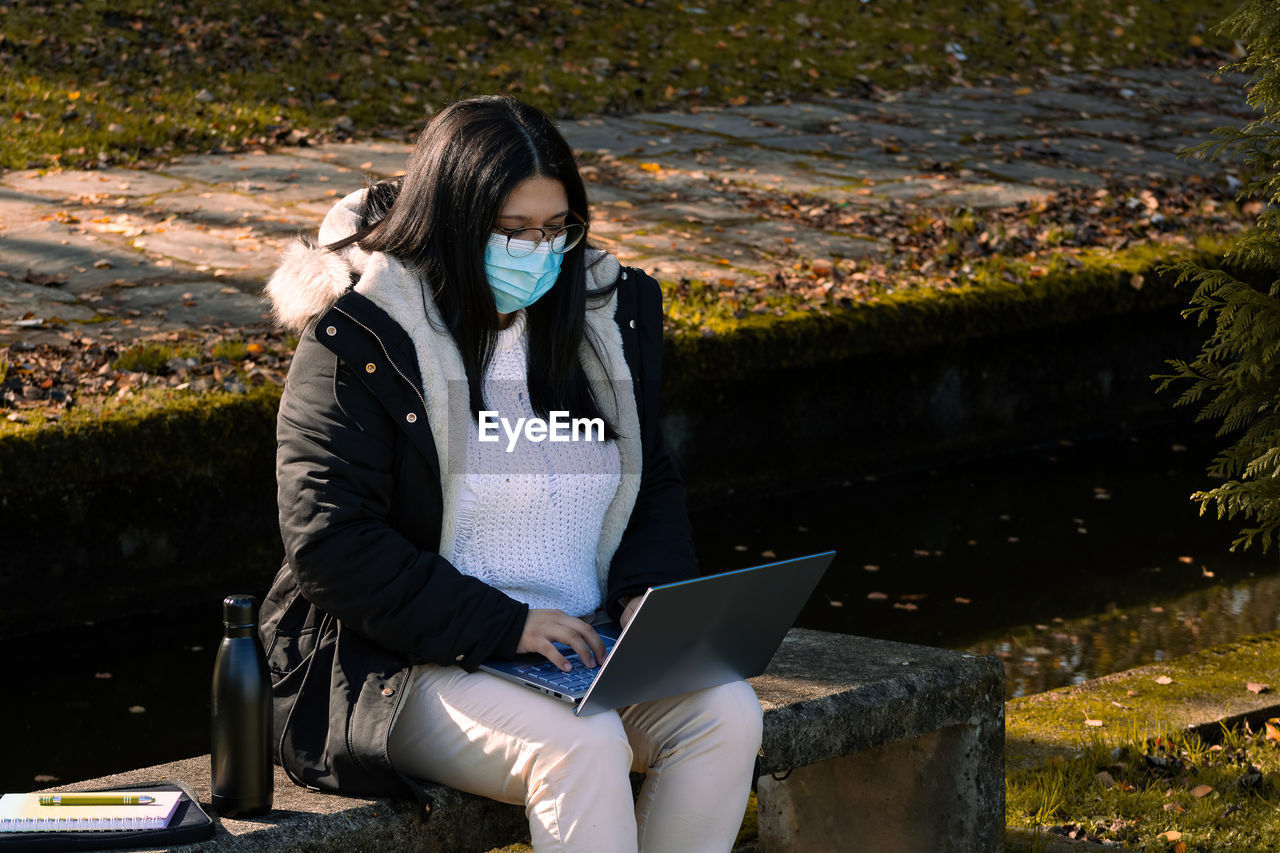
[414, 551]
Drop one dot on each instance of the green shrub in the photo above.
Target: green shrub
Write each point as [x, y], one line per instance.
[1235, 379]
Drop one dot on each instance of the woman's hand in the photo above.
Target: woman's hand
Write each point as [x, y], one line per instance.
[629, 610]
[544, 628]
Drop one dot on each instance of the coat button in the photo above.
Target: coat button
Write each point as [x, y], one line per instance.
[632, 324]
[624, 275]
[370, 367]
[411, 418]
[331, 331]
[387, 691]
[459, 658]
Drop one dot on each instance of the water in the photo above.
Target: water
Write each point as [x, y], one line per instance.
[1067, 561]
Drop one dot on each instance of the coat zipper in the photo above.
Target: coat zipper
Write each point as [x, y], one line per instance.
[423, 806]
[416, 390]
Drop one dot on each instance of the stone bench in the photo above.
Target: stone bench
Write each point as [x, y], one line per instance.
[868, 745]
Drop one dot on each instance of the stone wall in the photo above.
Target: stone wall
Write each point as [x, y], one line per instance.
[119, 516]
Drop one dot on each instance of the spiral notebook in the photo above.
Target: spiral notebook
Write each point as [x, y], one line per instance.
[23, 813]
[188, 824]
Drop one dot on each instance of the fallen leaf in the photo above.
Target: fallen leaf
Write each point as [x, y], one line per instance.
[1201, 791]
[1180, 847]
[1255, 687]
[1171, 835]
[1094, 723]
[1164, 679]
[137, 709]
[1173, 807]
[1273, 729]
[877, 596]
[870, 568]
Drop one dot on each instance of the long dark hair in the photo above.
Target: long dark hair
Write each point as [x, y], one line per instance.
[437, 218]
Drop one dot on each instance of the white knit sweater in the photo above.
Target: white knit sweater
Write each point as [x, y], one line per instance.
[528, 519]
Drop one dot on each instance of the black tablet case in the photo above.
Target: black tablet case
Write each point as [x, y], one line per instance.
[189, 823]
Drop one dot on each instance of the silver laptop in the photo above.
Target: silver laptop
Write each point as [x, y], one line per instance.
[684, 636]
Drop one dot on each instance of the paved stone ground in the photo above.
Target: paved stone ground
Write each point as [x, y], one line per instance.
[116, 254]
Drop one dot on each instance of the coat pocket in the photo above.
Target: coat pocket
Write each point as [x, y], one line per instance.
[288, 651]
[289, 626]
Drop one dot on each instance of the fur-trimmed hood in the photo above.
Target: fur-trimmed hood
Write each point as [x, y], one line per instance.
[310, 279]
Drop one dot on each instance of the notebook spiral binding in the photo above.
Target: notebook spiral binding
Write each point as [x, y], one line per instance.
[77, 824]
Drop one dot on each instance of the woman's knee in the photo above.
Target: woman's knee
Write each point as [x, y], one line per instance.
[738, 712]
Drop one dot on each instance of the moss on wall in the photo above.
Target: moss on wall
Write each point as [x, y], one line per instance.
[1002, 301]
[181, 438]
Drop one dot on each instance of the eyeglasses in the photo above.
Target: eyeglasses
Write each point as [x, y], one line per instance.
[522, 242]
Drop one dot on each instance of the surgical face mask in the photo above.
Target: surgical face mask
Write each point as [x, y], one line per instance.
[519, 282]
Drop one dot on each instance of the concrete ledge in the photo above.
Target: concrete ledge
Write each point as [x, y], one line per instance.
[825, 696]
[303, 821]
[898, 746]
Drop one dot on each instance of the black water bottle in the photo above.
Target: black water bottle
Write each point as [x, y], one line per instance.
[242, 774]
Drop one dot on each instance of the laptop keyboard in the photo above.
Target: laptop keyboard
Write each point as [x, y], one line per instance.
[578, 678]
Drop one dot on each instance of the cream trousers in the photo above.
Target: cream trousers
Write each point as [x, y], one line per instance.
[479, 733]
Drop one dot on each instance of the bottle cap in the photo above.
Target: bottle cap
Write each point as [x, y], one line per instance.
[240, 611]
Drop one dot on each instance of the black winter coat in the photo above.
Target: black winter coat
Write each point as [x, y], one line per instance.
[363, 595]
